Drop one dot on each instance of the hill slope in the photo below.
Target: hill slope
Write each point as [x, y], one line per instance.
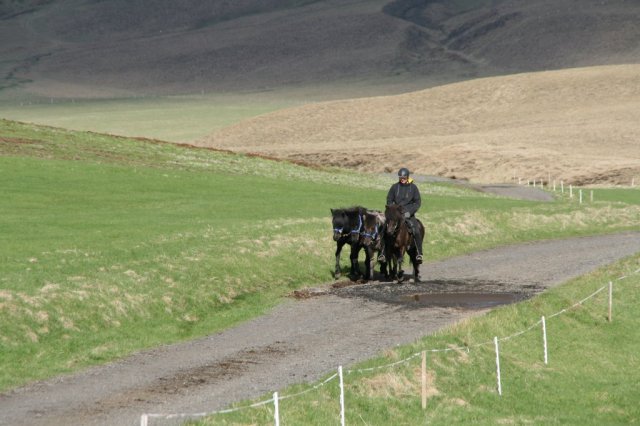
[580, 125]
[87, 48]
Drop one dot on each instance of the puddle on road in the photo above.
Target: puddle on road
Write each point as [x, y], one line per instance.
[463, 300]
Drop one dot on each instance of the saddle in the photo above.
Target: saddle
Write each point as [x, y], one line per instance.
[410, 225]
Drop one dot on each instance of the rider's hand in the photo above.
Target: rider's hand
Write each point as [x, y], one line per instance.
[407, 215]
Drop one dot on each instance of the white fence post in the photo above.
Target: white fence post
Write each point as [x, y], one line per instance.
[424, 380]
[610, 300]
[276, 409]
[495, 341]
[144, 420]
[544, 339]
[341, 396]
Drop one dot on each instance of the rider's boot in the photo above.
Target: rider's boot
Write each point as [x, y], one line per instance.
[417, 239]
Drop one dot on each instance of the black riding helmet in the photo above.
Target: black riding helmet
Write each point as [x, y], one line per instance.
[403, 173]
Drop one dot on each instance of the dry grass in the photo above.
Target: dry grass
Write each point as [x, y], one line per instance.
[580, 125]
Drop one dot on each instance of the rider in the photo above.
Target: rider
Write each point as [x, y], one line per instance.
[405, 193]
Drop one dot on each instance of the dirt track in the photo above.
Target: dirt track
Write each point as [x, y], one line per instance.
[302, 340]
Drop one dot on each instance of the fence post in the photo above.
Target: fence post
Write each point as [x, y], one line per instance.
[544, 340]
[424, 380]
[341, 396]
[144, 420]
[276, 409]
[610, 300]
[495, 341]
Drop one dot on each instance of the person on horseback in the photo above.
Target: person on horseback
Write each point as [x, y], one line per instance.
[405, 193]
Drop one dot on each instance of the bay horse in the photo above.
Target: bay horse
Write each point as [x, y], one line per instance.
[399, 240]
[347, 224]
[370, 239]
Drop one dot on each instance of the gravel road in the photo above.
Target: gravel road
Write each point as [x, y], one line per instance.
[304, 339]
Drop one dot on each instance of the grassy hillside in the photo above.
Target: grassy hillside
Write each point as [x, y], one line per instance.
[170, 118]
[110, 245]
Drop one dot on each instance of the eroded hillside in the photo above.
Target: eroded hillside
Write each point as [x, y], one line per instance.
[579, 125]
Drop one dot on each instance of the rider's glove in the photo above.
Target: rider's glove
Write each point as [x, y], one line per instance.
[407, 215]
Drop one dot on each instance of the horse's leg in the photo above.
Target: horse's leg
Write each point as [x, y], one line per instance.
[384, 269]
[400, 271]
[383, 265]
[355, 268]
[368, 263]
[337, 271]
[393, 267]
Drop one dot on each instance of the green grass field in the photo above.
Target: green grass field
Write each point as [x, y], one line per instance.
[110, 245]
[170, 118]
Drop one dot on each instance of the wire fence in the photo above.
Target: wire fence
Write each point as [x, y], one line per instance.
[145, 418]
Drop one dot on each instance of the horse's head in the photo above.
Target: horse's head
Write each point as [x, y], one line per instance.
[340, 223]
[394, 217]
[371, 226]
[347, 223]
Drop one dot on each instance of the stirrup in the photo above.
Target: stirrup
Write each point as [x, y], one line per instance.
[419, 258]
[382, 258]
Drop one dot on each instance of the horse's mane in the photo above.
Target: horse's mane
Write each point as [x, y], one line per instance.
[352, 210]
[379, 216]
[395, 207]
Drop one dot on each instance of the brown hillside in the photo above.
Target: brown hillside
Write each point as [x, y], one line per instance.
[579, 125]
[77, 48]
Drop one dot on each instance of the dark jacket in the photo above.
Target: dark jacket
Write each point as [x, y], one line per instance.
[407, 196]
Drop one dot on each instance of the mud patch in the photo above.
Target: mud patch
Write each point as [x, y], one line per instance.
[184, 381]
[307, 293]
[464, 294]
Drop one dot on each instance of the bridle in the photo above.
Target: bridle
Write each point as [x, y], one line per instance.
[373, 235]
[353, 231]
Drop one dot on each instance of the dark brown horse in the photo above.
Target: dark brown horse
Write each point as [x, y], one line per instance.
[399, 240]
[370, 239]
[347, 224]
